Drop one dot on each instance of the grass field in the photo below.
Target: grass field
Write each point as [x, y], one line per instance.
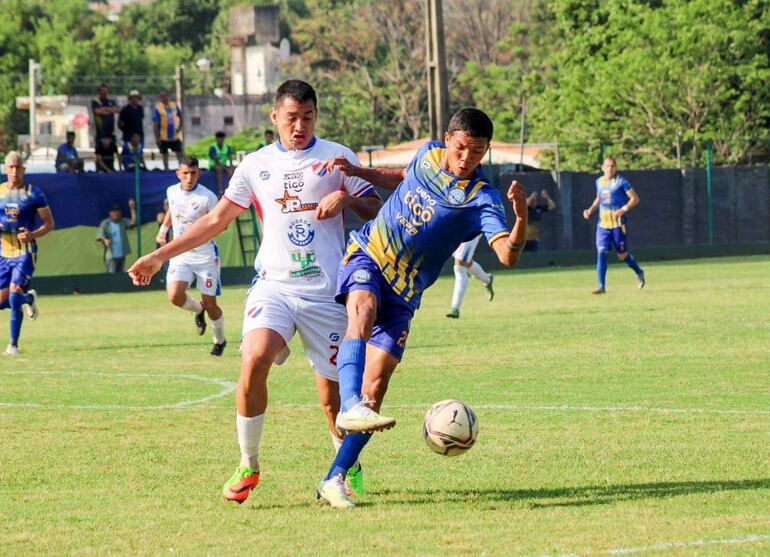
[637, 422]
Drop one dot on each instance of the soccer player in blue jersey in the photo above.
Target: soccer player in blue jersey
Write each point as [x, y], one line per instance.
[614, 198]
[20, 205]
[441, 200]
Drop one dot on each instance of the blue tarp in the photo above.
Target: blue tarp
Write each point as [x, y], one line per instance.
[85, 199]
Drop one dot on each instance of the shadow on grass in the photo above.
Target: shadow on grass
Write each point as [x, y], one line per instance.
[143, 346]
[567, 496]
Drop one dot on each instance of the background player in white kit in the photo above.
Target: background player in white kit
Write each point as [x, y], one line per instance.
[187, 202]
[464, 264]
[300, 203]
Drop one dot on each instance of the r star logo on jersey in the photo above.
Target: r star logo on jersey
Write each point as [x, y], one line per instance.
[301, 232]
[292, 204]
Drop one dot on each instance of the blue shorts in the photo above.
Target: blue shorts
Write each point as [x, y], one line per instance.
[612, 238]
[17, 270]
[391, 327]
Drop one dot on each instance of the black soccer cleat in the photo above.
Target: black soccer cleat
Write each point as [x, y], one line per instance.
[200, 322]
[218, 349]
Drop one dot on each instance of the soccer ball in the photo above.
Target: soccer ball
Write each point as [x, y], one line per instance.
[450, 427]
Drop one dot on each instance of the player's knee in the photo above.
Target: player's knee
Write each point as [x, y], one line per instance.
[16, 288]
[177, 298]
[362, 315]
[461, 263]
[622, 256]
[209, 304]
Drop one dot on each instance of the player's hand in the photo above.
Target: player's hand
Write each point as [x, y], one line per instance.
[617, 215]
[145, 267]
[586, 214]
[24, 235]
[331, 205]
[517, 195]
[342, 164]
[107, 243]
[544, 194]
[161, 239]
[131, 204]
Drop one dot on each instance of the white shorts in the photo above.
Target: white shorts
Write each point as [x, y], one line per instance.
[204, 273]
[467, 249]
[321, 325]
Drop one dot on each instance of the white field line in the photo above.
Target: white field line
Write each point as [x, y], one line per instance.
[228, 387]
[668, 546]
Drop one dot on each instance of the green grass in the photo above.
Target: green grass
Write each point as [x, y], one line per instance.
[603, 426]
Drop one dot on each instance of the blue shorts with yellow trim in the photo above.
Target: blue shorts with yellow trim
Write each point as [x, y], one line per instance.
[17, 270]
[391, 327]
[612, 238]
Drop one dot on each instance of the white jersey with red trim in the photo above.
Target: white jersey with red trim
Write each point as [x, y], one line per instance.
[186, 207]
[299, 254]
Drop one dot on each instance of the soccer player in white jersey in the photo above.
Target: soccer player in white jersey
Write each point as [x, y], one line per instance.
[300, 203]
[464, 264]
[187, 202]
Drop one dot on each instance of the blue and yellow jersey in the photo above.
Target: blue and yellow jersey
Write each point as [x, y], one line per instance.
[18, 209]
[613, 194]
[169, 116]
[427, 217]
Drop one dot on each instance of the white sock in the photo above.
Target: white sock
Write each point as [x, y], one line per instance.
[192, 305]
[478, 272]
[218, 329]
[249, 438]
[461, 284]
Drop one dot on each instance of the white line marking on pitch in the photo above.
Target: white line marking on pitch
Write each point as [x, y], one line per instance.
[666, 546]
[228, 387]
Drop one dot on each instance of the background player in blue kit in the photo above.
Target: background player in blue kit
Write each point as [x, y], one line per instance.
[20, 205]
[614, 197]
[442, 200]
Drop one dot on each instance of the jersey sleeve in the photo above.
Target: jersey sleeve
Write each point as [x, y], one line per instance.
[238, 191]
[625, 184]
[211, 200]
[357, 187]
[212, 152]
[155, 115]
[422, 152]
[38, 199]
[492, 218]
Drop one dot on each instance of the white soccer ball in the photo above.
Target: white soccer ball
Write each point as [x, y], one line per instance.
[450, 427]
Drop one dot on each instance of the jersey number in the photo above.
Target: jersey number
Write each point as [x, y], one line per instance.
[209, 282]
[402, 339]
[335, 350]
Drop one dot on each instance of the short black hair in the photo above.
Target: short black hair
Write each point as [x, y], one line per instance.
[472, 121]
[296, 89]
[188, 160]
[71, 134]
[219, 134]
[269, 132]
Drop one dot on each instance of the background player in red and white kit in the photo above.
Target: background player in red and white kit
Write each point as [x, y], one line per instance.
[187, 202]
[300, 203]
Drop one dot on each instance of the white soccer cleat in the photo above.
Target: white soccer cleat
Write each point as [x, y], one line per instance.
[31, 308]
[11, 350]
[361, 418]
[333, 492]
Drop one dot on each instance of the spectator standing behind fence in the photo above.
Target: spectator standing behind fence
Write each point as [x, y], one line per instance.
[131, 118]
[133, 154]
[267, 141]
[535, 212]
[167, 125]
[106, 152]
[113, 235]
[67, 156]
[104, 110]
[221, 159]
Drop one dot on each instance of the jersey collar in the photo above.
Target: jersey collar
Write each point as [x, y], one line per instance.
[283, 149]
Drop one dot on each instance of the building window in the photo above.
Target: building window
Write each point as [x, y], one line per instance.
[228, 120]
[196, 120]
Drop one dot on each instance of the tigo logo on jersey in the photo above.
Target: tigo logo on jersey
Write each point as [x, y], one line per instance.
[361, 276]
[456, 196]
[301, 232]
[264, 175]
[319, 168]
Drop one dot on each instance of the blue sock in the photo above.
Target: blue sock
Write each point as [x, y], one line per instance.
[350, 365]
[601, 267]
[348, 454]
[6, 304]
[16, 300]
[631, 262]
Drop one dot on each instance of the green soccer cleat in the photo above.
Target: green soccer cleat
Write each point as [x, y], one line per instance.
[489, 289]
[240, 484]
[453, 313]
[355, 481]
[333, 492]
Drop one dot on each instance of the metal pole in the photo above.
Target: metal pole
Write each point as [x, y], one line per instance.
[179, 82]
[438, 91]
[558, 166]
[138, 200]
[521, 135]
[709, 192]
[32, 105]
[601, 154]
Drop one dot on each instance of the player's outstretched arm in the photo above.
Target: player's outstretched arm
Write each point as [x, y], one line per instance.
[365, 207]
[590, 211]
[201, 231]
[508, 249]
[386, 178]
